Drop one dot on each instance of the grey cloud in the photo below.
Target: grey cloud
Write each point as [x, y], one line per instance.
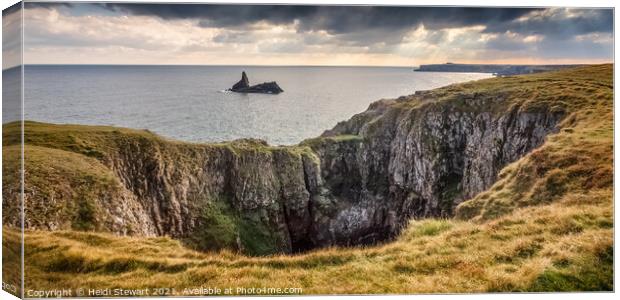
[46, 5]
[314, 38]
[239, 37]
[559, 23]
[435, 37]
[506, 43]
[11, 36]
[506, 46]
[217, 15]
[41, 37]
[571, 49]
[281, 47]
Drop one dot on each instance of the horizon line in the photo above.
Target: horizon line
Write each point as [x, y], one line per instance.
[301, 65]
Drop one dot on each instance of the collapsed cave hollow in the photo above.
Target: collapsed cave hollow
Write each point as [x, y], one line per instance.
[368, 186]
[359, 183]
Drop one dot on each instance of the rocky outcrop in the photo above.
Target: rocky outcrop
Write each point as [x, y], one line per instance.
[444, 164]
[414, 158]
[243, 86]
[244, 83]
[262, 88]
[359, 183]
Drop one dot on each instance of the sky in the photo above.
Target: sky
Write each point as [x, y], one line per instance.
[200, 34]
[11, 37]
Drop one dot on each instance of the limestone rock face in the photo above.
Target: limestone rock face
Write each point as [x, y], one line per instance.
[417, 161]
[366, 178]
[359, 183]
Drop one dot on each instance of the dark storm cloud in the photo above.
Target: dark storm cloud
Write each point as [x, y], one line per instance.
[47, 5]
[218, 15]
[333, 19]
[346, 19]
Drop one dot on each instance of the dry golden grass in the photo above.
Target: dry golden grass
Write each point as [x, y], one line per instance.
[576, 160]
[566, 245]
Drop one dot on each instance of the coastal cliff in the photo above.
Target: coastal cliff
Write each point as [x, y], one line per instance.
[499, 70]
[417, 156]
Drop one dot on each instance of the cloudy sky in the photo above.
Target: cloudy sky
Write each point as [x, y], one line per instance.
[312, 35]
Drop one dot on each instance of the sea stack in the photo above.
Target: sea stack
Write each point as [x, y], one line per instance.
[243, 83]
[243, 86]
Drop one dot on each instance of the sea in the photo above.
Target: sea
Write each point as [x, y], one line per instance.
[191, 103]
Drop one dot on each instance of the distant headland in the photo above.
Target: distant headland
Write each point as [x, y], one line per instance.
[498, 70]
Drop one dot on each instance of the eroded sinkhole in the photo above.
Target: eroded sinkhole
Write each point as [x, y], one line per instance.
[346, 189]
[357, 199]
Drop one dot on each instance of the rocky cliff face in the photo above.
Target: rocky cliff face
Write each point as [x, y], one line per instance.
[243, 195]
[418, 157]
[359, 183]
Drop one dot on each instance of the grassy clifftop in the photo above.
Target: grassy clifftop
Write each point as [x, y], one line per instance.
[133, 182]
[545, 225]
[576, 161]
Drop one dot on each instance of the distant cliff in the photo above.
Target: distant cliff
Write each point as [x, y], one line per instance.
[500, 70]
[359, 183]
